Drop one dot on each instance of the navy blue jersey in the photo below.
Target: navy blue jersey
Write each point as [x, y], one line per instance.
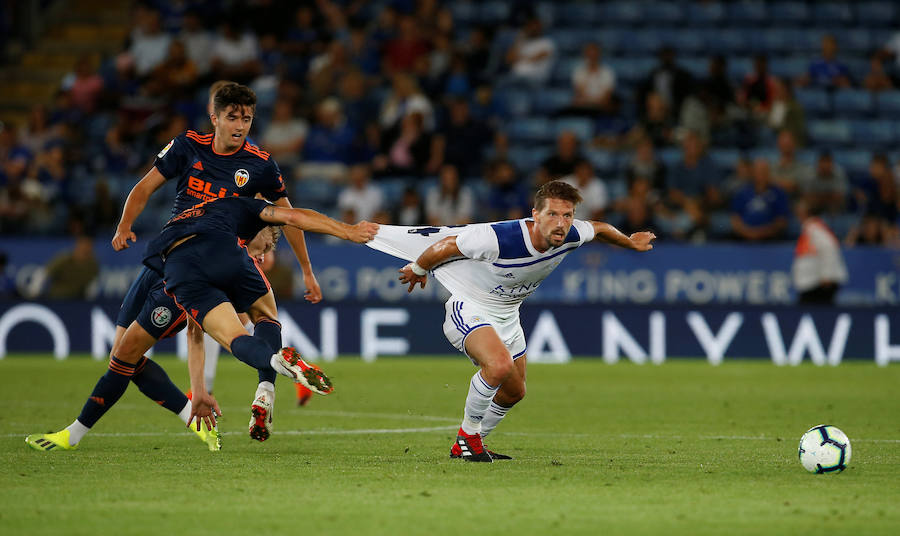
[229, 217]
[202, 174]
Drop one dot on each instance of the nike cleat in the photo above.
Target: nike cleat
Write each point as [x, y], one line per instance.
[47, 442]
[470, 448]
[261, 410]
[212, 438]
[456, 452]
[288, 362]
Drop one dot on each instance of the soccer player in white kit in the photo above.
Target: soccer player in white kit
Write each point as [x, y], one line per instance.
[489, 269]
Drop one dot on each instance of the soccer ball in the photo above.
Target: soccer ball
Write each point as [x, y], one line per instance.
[824, 449]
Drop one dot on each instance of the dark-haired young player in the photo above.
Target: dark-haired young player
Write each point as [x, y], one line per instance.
[159, 318]
[489, 269]
[205, 167]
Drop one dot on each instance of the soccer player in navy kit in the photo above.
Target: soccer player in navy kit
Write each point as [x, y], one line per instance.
[212, 166]
[201, 256]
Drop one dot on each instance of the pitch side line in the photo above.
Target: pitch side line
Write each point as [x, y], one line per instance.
[361, 431]
[701, 438]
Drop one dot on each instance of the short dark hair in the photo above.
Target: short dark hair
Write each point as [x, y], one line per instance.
[233, 95]
[556, 190]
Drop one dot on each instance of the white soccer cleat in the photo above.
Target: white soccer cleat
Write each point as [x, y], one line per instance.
[261, 414]
[288, 362]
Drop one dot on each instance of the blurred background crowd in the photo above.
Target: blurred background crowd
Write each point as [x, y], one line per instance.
[703, 121]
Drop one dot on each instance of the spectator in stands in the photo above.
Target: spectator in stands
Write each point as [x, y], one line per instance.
[644, 163]
[563, 161]
[174, 78]
[790, 172]
[742, 176]
[877, 193]
[84, 85]
[692, 184]
[593, 84]
[786, 113]
[507, 199]
[37, 132]
[326, 151]
[284, 136]
[873, 230]
[8, 290]
[655, 122]
[694, 114]
[477, 52]
[103, 211]
[826, 191]
[638, 206]
[54, 173]
[362, 52]
[594, 196]
[149, 43]
[758, 90]
[71, 272]
[410, 210]
[827, 71]
[760, 210]
[235, 53]
[405, 97]
[122, 83]
[450, 202]
[403, 51]
[198, 41]
[360, 196]
[719, 91]
[533, 54]
[669, 81]
[461, 141]
[818, 270]
[877, 79]
[326, 69]
[405, 148]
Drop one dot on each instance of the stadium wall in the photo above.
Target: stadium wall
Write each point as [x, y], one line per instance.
[652, 334]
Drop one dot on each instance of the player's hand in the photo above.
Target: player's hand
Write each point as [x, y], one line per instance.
[407, 276]
[121, 238]
[204, 407]
[641, 241]
[313, 293]
[362, 232]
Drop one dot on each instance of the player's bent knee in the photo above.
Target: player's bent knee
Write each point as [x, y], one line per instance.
[498, 370]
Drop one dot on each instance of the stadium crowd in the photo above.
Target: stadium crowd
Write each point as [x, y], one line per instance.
[676, 117]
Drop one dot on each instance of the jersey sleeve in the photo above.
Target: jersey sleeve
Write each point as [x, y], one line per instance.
[585, 231]
[479, 242]
[272, 187]
[173, 158]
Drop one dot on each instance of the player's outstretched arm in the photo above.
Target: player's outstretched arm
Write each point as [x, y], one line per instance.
[203, 405]
[297, 241]
[134, 205]
[417, 272]
[640, 241]
[310, 220]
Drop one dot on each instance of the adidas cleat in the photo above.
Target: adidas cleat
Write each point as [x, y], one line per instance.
[456, 452]
[261, 414]
[303, 394]
[470, 448]
[47, 442]
[288, 362]
[212, 438]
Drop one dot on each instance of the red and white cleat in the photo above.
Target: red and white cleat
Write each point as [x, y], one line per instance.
[288, 362]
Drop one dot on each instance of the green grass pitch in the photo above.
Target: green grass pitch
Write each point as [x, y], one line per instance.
[681, 448]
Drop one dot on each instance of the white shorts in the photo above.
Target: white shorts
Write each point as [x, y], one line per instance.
[462, 318]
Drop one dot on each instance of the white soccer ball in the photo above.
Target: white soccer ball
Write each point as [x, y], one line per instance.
[824, 449]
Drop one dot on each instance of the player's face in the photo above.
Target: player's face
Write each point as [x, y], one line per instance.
[232, 124]
[554, 220]
[261, 244]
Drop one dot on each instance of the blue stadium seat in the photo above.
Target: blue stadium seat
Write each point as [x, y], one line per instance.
[583, 128]
[832, 13]
[725, 159]
[854, 161]
[577, 13]
[527, 159]
[720, 224]
[612, 40]
[878, 132]
[830, 133]
[808, 41]
[853, 103]
[727, 41]
[623, 12]
[791, 12]
[647, 41]
[876, 13]
[739, 67]
[685, 41]
[888, 104]
[789, 66]
[517, 101]
[312, 191]
[698, 66]
[530, 129]
[605, 162]
[464, 11]
[774, 40]
[563, 69]
[392, 187]
[494, 12]
[743, 13]
[706, 13]
[670, 156]
[632, 69]
[857, 41]
[551, 100]
[546, 11]
[665, 12]
[567, 41]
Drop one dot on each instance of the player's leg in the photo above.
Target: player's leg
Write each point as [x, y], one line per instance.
[510, 393]
[261, 315]
[211, 349]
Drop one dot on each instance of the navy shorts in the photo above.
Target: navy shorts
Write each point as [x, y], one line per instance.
[160, 316]
[206, 271]
[137, 296]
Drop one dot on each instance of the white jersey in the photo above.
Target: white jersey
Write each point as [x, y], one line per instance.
[500, 267]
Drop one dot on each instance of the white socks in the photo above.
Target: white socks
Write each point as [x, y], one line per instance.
[477, 402]
[492, 418]
[268, 386]
[185, 412]
[211, 348]
[76, 432]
